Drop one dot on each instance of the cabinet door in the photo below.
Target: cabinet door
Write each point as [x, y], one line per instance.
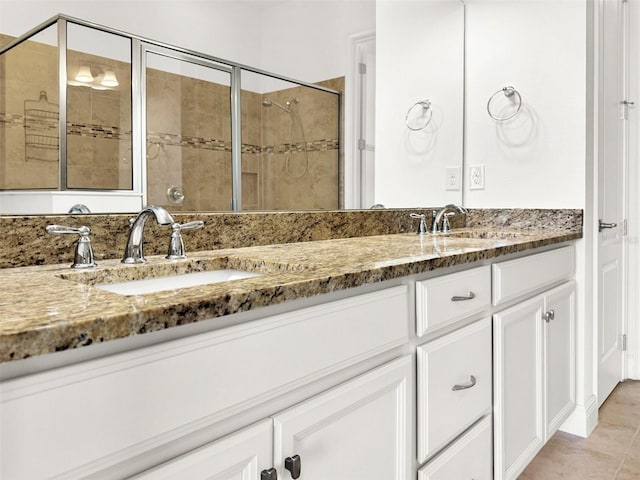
[358, 430]
[559, 358]
[518, 387]
[240, 456]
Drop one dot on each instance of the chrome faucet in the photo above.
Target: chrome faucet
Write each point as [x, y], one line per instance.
[133, 250]
[440, 214]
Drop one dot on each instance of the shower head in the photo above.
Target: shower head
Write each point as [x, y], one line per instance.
[267, 102]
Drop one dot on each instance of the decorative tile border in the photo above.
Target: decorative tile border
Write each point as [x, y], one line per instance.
[97, 131]
[9, 120]
[165, 139]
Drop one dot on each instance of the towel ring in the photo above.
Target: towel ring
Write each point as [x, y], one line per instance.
[426, 105]
[508, 92]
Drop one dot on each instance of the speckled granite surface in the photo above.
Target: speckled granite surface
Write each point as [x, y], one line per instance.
[51, 308]
[27, 244]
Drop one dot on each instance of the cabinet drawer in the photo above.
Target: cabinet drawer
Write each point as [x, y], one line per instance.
[454, 385]
[469, 457]
[528, 275]
[114, 408]
[445, 300]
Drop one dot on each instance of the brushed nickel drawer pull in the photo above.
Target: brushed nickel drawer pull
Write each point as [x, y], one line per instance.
[472, 382]
[457, 298]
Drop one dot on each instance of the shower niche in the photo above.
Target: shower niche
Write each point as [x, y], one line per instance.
[109, 121]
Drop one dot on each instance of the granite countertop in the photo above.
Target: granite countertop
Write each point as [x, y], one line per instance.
[52, 308]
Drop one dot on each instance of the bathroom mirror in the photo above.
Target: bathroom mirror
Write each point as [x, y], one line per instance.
[288, 108]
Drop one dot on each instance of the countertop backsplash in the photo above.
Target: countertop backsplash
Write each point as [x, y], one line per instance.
[28, 244]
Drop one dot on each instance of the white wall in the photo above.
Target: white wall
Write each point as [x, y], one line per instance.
[306, 40]
[228, 30]
[419, 55]
[539, 47]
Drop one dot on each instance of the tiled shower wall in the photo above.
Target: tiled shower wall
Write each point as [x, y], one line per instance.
[189, 138]
[290, 177]
[189, 145]
[188, 141]
[22, 77]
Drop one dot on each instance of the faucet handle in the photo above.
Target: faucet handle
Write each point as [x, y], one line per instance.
[83, 255]
[446, 225]
[422, 228]
[176, 245]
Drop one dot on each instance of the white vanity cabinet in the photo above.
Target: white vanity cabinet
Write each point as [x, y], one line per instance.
[534, 356]
[337, 387]
[94, 416]
[356, 430]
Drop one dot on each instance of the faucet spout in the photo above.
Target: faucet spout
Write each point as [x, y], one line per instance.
[442, 211]
[133, 250]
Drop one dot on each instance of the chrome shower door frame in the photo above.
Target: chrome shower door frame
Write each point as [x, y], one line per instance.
[140, 108]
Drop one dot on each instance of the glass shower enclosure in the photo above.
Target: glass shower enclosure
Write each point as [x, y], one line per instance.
[112, 121]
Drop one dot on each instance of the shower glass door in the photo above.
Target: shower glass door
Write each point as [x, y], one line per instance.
[98, 143]
[187, 120]
[290, 144]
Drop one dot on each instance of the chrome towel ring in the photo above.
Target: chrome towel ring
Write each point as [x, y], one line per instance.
[426, 110]
[510, 93]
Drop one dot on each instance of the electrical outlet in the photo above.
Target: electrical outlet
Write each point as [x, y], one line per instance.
[452, 180]
[476, 177]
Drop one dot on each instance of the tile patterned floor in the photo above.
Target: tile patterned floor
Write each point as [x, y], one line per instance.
[612, 451]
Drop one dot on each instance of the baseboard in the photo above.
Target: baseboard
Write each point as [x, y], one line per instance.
[583, 419]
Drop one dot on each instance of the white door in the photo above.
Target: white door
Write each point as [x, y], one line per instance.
[559, 356]
[240, 456]
[611, 186]
[358, 430]
[517, 387]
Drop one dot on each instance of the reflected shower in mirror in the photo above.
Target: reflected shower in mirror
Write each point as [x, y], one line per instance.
[30, 109]
[188, 132]
[291, 147]
[168, 127]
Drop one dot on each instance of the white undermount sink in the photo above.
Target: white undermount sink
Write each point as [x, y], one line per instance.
[173, 282]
